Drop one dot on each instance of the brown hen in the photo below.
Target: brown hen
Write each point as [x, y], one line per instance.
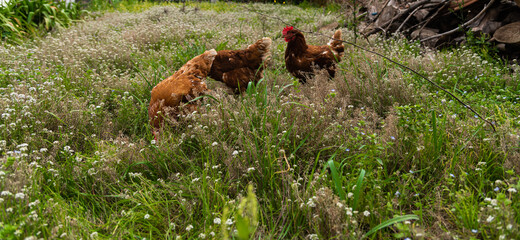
[301, 59]
[236, 68]
[184, 85]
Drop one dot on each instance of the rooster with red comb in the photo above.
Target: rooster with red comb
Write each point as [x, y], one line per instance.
[301, 60]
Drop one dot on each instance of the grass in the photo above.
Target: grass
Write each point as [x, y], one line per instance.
[376, 152]
[23, 19]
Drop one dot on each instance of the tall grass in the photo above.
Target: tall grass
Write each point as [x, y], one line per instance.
[25, 18]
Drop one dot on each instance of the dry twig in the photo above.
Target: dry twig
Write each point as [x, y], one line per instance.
[463, 25]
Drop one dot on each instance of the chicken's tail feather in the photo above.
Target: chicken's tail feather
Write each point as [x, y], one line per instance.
[264, 45]
[336, 41]
[336, 44]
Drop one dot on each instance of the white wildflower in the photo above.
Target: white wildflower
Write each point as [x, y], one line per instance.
[313, 237]
[512, 190]
[19, 195]
[490, 219]
[349, 211]
[214, 144]
[32, 204]
[217, 221]
[366, 213]
[94, 235]
[147, 216]
[5, 193]
[189, 227]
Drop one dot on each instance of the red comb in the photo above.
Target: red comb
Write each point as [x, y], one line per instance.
[286, 29]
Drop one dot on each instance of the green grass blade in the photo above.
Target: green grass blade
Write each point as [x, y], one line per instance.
[390, 222]
[336, 177]
[359, 187]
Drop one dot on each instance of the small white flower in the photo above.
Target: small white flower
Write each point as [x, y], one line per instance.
[189, 227]
[19, 195]
[32, 204]
[512, 190]
[235, 153]
[202, 236]
[147, 216]
[5, 193]
[212, 234]
[490, 219]
[94, 235]
[229, 222]
[217, 221]
[366, 213]
[153, 142]
[494, 202]
[350, 195]
[349, 211]
[250, 169]
[313, 237]
[214, 144]
[311, 203]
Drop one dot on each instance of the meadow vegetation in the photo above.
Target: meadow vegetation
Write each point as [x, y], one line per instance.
[331, 159]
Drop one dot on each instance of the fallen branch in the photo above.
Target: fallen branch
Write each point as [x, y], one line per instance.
[463, 25]
[446, 3]
[377, 16]
[406, 19]
[410, 9]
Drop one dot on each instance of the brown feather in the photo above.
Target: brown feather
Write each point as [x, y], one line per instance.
[301, 59]
[184, 85]
[236, 68]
